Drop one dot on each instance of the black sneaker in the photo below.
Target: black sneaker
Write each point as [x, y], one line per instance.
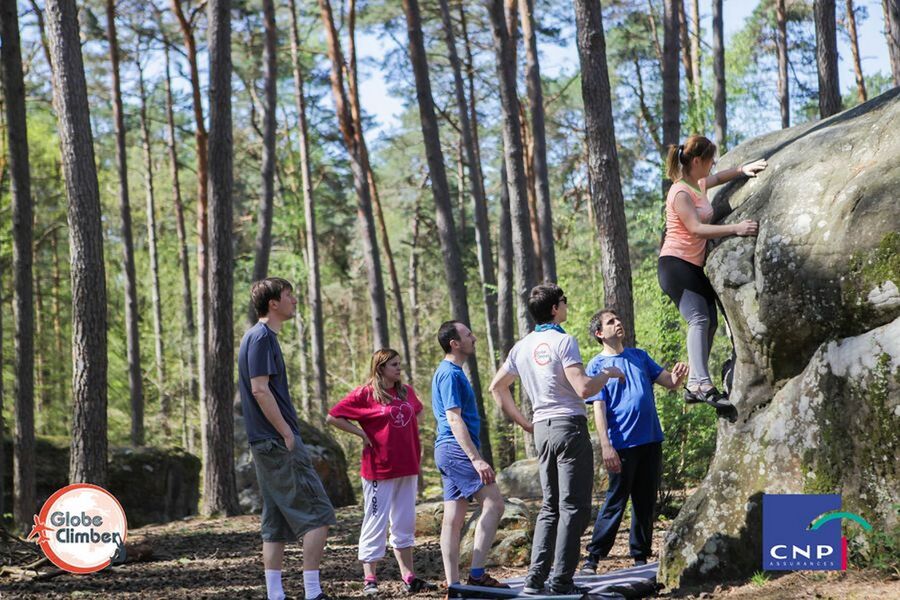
[371, 588]
[570, 590]
[533, 589]
[418, 585]
[640, 562]
[588, 567]
[322, 596]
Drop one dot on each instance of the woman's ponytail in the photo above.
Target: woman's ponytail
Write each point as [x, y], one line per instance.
[673, 162]
[679, 158]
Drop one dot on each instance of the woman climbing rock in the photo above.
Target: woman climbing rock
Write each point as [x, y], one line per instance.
[683, 254]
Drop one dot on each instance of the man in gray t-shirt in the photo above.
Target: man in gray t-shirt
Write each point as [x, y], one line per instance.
[549, 363]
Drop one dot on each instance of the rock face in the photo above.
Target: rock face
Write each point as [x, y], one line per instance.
[154, 485]
[328, 459]
[520, 480]
[814, 306]
[512, 544]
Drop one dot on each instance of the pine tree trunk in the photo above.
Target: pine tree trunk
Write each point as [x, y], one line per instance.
[539, 138]
[264, 224]
[87, 462]
[854, 49]
[523, 253]
[671, 102]
[165, 410]
[356, 115]
[360, 181]
[892, 33]
[132, 335]
[506, 452]
[219, 491]
[413, 274]
[719, 93]
[187, 303]
[784, 96]
[827, 58]
[453, 268]
[603, 165]
[317, 337]
[41, 370]
[23, 298]
[527, 154]
[200, 137]
[468, 127]
[686, 62]
[696, 78]
[60, 357]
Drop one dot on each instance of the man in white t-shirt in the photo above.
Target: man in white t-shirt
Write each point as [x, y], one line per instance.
[549, 363]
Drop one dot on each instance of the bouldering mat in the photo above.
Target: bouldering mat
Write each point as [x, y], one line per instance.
[634, 582]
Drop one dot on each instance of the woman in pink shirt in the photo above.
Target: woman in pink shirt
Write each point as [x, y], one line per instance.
[683, 253]
[386, 410]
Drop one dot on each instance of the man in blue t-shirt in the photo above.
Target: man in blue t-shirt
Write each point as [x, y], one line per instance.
[630, 438]
[294, 502]
[465, 474]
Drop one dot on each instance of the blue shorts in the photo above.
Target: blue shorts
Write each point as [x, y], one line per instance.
[460, 479]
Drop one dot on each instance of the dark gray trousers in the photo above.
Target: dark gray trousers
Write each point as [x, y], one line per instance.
[567, 478]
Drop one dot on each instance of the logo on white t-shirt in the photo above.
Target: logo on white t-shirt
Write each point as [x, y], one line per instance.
[542, 354]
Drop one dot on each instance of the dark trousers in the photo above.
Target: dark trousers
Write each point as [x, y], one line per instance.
[566, 461]
[639, 479]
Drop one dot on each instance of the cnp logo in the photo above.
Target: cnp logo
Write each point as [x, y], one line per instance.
[81, 528]
[802, 532]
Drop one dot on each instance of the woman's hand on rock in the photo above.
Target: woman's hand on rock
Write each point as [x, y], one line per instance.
[745, 228]
[752, 168]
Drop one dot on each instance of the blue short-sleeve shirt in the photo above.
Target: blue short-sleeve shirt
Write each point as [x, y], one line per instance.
[631, 415]
[450, 388]
[259, 355]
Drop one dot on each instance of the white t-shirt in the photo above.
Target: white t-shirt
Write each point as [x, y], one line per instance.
[540, 359]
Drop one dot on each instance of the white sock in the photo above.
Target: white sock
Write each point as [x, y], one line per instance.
[274, 591]
[311, 585]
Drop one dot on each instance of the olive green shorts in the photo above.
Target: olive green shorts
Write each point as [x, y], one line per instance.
[293, 498]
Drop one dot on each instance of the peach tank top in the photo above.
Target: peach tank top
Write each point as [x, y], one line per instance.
[680, 242]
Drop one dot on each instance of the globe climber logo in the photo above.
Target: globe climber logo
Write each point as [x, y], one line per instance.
[81, 528]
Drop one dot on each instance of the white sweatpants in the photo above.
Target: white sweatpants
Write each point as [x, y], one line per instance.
[389, 502]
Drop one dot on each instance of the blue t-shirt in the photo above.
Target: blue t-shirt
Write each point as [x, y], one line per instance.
[631, 415]
[259, 355]
[450, 388]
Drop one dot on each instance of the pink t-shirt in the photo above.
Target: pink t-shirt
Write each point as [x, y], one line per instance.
[680, 242]
[392, 428]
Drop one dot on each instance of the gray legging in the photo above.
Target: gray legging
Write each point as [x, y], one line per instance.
[688, 287]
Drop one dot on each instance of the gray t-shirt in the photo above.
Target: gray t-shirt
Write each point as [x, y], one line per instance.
[540, 359]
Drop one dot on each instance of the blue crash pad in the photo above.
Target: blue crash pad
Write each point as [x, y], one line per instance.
[634, 582]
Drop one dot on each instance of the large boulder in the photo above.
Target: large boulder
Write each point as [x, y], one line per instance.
[327, 456]
[154, 485]
[522, 479]
[512, 543]
[814, 307]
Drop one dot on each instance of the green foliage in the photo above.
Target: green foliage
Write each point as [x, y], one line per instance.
[877, 549]
[760, 578]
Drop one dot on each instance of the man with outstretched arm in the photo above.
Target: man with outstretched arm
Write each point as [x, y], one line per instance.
[294, 503]
[548, 361]
[465, 475]
[630, 438]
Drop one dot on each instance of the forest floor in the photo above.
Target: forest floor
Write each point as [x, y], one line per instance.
[221, 558]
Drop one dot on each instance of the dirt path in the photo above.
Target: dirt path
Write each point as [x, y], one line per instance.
[221, 558]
